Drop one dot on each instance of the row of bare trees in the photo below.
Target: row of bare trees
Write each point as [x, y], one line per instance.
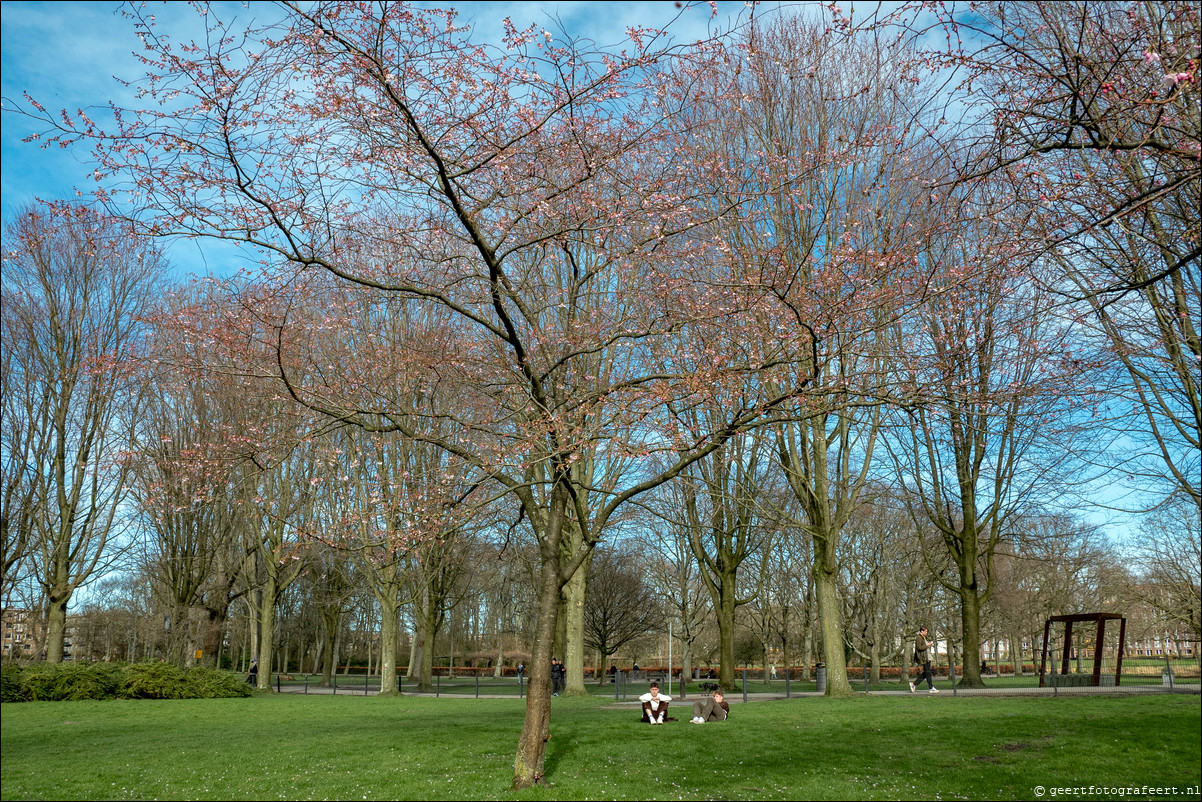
[888, 584]
[230, 486]
[543, 293]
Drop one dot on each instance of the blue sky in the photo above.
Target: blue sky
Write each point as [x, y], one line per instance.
[66, 55]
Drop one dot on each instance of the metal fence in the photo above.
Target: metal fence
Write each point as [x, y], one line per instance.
[1160, 674]
[369, 684]
[1137, 675]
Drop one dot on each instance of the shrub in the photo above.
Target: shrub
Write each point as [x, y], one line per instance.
[51, 682]
[208, 683]
[154, 681]
[10, 683]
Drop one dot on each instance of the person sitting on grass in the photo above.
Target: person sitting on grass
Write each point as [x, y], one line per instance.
[655, 705]
[715, 708]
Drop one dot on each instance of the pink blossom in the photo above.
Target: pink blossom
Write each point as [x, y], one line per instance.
[1171, 79]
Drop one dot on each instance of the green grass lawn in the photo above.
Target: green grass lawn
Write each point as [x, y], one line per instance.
[354, 747]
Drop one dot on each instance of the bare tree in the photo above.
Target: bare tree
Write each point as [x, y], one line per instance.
[675, 573]
[621, 604]
[75, 284]
[992, 426]
[1088, 113]
[1051, 564]
[830, 150]
[726, 523]
[188, 493]
[22, 415]
[1169, 564]
[880, 554]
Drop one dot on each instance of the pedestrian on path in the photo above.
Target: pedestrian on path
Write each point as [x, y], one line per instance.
[922, 658]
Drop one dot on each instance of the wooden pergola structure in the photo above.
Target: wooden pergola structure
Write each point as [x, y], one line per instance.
[1099, 619]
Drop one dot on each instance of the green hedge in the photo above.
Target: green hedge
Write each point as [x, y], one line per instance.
[51, 682]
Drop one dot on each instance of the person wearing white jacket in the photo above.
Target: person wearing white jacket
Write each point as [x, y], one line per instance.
[655, 705]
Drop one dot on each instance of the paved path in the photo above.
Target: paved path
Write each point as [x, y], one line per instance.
[736, 697]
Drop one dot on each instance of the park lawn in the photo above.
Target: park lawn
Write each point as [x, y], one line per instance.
[344, 747]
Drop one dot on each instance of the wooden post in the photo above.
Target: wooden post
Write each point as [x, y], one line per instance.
[1097, 651]
[1118, 668]
[1043, 654]
[1068, 647]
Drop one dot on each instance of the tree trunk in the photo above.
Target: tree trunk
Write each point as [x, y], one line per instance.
[573, 657]
[725, 613]
[331, 619]
[786, 654]
[389, 627]
[266, 632]
[190, 623]
[252, 626]
[416, 648]
[826, 592]
[427, 623]
[214, 630]
[56, 627]
[497, 672]
[528, 764]
[686, 667]
[970, 647]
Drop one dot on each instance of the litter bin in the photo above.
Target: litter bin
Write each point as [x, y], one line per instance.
[821, 675]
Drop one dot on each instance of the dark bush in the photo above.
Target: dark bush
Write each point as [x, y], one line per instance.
[10, 683]
[208, 683]
[154, 681]
[50, 682]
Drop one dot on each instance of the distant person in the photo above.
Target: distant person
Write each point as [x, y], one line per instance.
[521, 671]
[715, 708]
[774, 671]
[655, 705]
[252, 677]
[556, 677]
[922, 657]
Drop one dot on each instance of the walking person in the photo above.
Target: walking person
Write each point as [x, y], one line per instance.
[922, 657]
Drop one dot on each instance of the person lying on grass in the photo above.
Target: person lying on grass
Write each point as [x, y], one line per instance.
[715, 708]
[655, 705]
